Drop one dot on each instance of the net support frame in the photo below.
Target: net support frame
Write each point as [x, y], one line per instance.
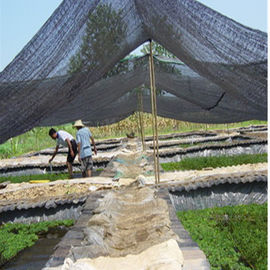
[140, 114]
[154, 115]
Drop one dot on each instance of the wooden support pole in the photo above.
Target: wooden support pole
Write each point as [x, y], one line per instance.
[154, 115]
[140, 114]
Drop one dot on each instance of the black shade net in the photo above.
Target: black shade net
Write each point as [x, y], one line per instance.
[72, 68]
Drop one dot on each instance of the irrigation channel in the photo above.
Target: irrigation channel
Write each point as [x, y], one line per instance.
[122, 212]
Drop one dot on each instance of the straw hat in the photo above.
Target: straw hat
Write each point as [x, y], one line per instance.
[78, 123]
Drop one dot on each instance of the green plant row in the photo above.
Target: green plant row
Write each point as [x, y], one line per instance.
[27, 178]
[15, 237]
[231, 237]
[198, 163]
[48, 176]
[186, 145]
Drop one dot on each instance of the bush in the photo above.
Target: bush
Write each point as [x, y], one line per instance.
[231, 237]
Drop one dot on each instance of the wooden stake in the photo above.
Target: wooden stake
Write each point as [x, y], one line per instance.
[154, 115]
[140, 112]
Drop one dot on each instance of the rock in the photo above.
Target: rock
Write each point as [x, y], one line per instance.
[94, 235]
[91, 251]
[130, 135]
[129, 164]
[141, 180]
[164, 256]
[4, 184]
[208, 169]
[92, 188]
[128, 221]
[50, 204]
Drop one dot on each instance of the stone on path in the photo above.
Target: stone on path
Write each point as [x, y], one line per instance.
[127, 221]
[164, 256]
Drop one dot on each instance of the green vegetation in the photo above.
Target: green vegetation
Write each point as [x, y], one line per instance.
[231, 237]
[17, 236]
[27, 178]
[105, 31]
[161, 66]
[187, 145]
[157, 49]
[48, 176]
[31, 141]
[38, 138]
[198, 163]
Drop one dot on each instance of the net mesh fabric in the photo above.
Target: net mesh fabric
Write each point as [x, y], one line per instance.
[72, 68]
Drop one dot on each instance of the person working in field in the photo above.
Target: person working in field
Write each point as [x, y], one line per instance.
[64, 138]
[83, 138]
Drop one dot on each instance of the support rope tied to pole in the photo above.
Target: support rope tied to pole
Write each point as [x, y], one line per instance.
[154, 116]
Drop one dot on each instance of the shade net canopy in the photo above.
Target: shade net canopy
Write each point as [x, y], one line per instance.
[75, 66]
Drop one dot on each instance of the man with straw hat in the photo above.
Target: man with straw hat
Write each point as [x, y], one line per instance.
[83, 138]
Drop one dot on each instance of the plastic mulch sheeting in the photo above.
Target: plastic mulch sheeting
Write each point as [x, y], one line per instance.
[73, 68]
[220, 195]
[237, 150]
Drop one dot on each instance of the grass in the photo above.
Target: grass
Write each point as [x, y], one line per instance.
[231, 237]
[187, 145]
[27, 178]
[48, 176]
[31, 141]
[15, 237]
[198, 163]
[38, 138]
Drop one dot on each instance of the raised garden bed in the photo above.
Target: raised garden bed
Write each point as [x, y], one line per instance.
[231, 237]
[199, 163]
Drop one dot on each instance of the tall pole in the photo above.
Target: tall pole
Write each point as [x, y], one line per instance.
[140, 112]
[154, 115]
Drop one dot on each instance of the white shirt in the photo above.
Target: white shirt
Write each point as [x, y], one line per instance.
[62, 136]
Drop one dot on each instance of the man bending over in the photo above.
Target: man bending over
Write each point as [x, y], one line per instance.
[64, 138]
[83, 138]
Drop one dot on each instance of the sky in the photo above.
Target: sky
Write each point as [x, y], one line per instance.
[21, 19]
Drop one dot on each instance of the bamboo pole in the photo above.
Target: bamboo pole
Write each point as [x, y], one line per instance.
[154, 115]
[141, 123]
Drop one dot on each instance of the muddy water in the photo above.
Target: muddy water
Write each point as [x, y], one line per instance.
[35, 257]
